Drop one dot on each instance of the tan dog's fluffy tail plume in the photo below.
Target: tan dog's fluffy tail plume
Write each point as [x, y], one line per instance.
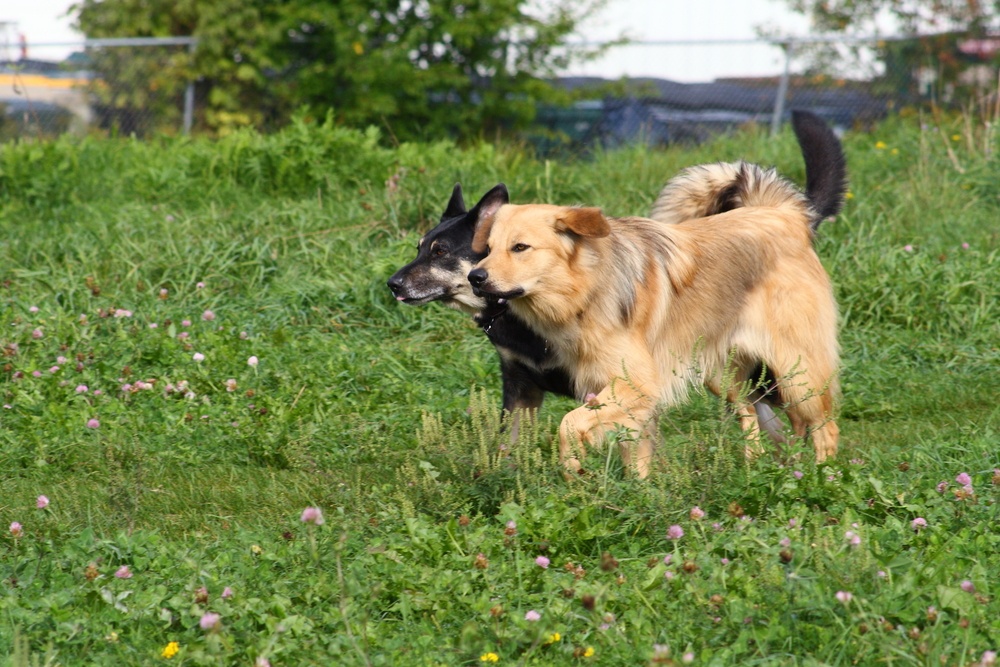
[710, 189]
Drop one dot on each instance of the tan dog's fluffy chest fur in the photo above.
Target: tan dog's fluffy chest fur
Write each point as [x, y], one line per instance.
[640, 309]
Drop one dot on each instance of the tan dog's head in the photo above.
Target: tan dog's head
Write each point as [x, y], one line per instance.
[530, 247]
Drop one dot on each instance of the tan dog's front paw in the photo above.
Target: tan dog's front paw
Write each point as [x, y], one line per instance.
[578, 429]
[574, 469]
[584, 426]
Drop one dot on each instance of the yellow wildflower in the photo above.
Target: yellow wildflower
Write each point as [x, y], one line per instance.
[170, 650]
[879, 145]
[255, 550]
[489, 656]
[956, 137]
[553, 638]
[358, 48]
[895, 151]
[588, 652]
[848, 195]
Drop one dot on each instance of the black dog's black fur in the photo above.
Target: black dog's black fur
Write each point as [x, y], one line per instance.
[527, 367]
[826, 165]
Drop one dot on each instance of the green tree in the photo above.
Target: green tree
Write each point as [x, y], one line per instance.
[418, 68]
[909, 17]
[934, 45]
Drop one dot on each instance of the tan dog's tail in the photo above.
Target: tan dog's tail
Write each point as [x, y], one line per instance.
[710, 189]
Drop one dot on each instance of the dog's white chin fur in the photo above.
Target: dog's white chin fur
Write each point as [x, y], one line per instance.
[467, 302]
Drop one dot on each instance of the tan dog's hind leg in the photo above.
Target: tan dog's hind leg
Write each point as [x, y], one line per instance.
[751, 427]
[825, 439]
[745, 411]
[617, 406]
[803, 355]
[810, 410]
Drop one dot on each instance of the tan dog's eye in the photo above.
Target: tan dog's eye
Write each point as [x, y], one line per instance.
[519, 247]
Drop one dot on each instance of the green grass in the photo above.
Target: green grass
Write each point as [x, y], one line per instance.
[385, 417]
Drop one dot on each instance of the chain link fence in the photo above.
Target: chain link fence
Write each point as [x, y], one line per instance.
[675, 91]
[126, 87]
[852, 83]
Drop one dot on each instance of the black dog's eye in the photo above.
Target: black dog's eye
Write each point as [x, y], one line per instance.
[519, 247]
[439, 251]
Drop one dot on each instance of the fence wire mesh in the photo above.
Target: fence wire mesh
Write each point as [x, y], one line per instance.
[674, 91]
[853, 83]
[127, 87]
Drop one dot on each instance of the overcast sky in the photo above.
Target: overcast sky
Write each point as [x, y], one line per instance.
[44, 21]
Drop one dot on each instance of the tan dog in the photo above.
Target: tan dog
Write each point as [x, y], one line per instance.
[639, 309]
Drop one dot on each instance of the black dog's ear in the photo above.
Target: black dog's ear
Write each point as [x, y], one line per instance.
[456, 205]
[491, 201]
[483, 211]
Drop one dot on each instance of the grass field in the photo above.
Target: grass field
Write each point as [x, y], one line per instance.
[198, 345]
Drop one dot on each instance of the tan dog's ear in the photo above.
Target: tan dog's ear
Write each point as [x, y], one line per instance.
[588, 221]
[480, 240]
[484, 212]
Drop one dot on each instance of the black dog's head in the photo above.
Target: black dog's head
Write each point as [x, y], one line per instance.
[445, 256]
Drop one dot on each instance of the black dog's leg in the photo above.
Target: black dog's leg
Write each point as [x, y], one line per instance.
[521, 394]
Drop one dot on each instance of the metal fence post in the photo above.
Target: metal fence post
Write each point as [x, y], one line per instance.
[189, 97]
[779, 100]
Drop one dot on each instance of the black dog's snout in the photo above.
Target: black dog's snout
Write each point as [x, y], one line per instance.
[477, 277]
[395, 283]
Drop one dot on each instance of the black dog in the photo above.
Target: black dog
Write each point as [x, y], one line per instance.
[439, 273]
